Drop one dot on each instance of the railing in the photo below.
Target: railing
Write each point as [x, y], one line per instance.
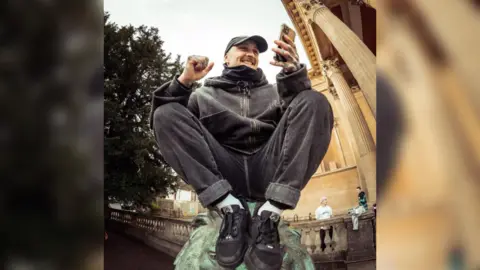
[323, 237]
[333, 240]
[174, 230]
[297, 218]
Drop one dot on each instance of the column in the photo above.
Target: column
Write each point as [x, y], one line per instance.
[361, 134]
[342, 127]
[341, 156]
[359, 59]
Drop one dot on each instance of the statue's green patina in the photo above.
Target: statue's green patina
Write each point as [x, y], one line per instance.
[199, 251]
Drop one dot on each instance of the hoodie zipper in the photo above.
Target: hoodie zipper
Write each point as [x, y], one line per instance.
[243, 87]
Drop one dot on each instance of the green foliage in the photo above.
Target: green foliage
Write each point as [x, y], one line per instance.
[134, 66]
[154, 206]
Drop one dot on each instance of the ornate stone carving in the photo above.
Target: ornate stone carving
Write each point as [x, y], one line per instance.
[317, 3]
[306, 6]
[330, 65]
[310, 6]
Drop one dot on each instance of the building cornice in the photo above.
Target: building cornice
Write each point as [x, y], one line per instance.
[308, 41]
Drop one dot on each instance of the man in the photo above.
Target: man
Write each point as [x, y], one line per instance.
[239, 138]
[362, 199]
[360, 209]
[324, 211]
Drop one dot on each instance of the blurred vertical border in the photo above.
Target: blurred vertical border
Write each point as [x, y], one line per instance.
[429, 186]
[51, 134]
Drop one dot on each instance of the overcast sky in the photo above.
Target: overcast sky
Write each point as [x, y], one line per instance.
[204, 27]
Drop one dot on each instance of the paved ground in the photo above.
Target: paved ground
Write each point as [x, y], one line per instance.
[122, 253]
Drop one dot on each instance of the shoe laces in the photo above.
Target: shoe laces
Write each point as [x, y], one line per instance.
[268, 233]
[232, 221]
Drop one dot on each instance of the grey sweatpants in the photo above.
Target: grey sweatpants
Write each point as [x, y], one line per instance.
[355, 213]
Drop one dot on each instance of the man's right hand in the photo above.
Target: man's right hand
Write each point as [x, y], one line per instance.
[195, 69]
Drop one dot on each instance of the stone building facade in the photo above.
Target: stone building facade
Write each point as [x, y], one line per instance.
[339, 37]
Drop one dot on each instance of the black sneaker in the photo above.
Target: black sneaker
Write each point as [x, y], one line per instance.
[232, 241]
[265, 252]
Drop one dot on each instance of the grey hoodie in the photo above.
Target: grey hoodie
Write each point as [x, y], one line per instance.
[240, 115]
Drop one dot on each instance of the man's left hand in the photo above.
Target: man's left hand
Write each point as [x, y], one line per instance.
[289, 51]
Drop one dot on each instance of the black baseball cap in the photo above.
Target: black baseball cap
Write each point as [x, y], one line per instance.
[262, 44]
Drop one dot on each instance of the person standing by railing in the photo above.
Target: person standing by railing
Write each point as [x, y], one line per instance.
[324, 212]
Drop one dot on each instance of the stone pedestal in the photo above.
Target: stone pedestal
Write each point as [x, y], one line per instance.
[361, 243]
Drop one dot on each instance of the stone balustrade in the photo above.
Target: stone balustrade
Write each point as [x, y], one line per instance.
[165, 234]
[344, 246]
[317, 244]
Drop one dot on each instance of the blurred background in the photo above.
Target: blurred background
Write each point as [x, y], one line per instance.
[51, 158]
[428, 98]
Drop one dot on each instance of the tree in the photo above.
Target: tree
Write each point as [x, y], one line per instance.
[134, 66]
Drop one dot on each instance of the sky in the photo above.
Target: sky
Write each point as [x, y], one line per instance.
[204, 27]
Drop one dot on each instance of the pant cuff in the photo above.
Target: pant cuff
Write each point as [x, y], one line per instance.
[283, 194]
[213, 192]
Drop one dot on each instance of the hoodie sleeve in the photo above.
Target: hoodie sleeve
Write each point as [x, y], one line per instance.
[172, 91]
[289, 85]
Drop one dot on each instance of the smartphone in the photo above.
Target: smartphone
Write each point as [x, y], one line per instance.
[285, 30]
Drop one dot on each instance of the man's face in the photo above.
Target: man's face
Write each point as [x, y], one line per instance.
[358, 190]
[324, 202]
[245, 53]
